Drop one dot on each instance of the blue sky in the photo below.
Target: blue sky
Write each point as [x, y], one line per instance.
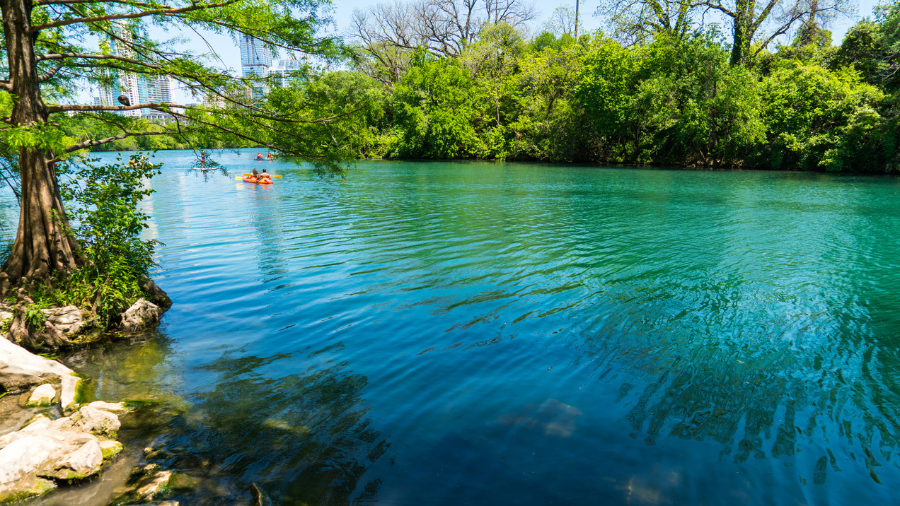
[342, 11]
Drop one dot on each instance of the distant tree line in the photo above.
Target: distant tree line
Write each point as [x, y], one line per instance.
[455, 79]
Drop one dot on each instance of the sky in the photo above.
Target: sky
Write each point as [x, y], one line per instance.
[342, 10]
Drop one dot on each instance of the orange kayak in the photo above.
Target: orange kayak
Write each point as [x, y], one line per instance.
[253, 180]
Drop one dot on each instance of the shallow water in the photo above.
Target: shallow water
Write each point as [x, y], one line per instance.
[481, 334]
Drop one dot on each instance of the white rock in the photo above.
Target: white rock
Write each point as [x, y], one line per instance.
[37, 423]
[79, 464]
[67, 320]
[42, 396]
[20, 369]
[96, 421]
[110, 448]
[27, 454]
[140, 315]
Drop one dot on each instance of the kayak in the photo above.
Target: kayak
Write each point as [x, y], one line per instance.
[253, 180]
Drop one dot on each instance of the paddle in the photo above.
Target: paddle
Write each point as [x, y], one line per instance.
[273, 175]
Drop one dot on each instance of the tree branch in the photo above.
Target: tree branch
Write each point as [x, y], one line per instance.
[131, 15]
[91, 143]
[67, 2]
[50, 73]
[96, 108]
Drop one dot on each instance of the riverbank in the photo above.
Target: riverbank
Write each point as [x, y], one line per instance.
[50, 439]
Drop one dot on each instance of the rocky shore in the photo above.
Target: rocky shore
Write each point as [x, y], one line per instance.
[49, 439]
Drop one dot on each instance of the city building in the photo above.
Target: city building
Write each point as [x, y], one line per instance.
[256, 58]
[138, 88]
[286, 70]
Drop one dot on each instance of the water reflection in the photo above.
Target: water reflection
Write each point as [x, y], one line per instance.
[303, 438]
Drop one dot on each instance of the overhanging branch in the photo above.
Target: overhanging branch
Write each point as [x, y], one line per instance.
[130, 15]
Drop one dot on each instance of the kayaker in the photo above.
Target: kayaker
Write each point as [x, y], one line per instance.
[255, 174]
[265, 176]
[269, 157]
[258, 156]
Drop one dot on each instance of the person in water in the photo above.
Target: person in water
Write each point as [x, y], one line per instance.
[259, 156]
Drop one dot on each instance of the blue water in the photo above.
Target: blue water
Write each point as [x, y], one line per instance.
[433, 333]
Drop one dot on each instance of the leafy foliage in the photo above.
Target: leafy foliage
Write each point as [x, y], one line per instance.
[103, 201]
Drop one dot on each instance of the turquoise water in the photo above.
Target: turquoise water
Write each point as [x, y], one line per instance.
[480, 334]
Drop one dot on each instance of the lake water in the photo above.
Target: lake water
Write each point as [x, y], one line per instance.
[433, 333]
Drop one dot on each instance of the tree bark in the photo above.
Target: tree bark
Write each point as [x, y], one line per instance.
[44, 242]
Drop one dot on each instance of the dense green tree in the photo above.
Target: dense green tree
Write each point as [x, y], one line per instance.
[45, 47]
[821, 119]
[337, 113]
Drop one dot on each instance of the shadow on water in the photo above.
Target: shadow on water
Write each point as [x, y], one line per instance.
[303, 438]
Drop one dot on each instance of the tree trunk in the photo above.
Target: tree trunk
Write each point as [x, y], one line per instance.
[741, 22]
[43, 243]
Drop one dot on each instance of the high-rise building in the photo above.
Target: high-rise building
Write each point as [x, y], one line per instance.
[286, 70]
[256, 58]
[138, 88]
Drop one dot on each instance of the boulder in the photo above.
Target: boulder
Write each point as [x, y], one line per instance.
[67, 320]
[42, 396]
[140, 315]
[77, 465]
[20, 369]
[27, 454]
[96, 421]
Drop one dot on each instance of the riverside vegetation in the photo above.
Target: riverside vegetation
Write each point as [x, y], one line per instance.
[642, 95]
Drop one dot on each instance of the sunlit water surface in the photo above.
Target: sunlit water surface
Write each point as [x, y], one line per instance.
[498, 333]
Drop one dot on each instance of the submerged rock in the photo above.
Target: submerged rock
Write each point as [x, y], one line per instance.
[141, 315]
[260, 498]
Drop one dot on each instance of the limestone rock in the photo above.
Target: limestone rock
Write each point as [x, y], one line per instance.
[67, 320]
[110, 449]
[20, 369]
[77, 465]
[140, 315]
[42, 396]
[23, 489]
[96, 421]
[25, 455]
[153, 485]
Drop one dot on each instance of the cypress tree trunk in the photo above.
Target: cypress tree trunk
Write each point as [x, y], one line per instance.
[43, 242]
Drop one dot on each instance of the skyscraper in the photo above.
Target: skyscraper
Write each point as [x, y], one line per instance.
[256, 58]
[138, 88]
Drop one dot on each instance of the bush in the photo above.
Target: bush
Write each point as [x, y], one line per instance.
[102, 204]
